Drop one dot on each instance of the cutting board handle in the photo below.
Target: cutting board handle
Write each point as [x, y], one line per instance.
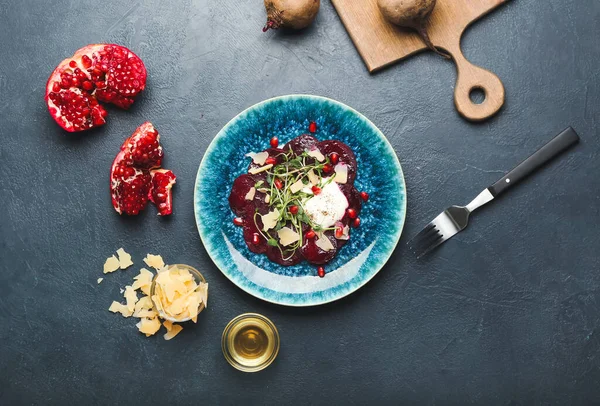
[471, 77]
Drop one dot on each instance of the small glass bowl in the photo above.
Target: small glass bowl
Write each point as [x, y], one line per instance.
[235, 327]
[199, 279]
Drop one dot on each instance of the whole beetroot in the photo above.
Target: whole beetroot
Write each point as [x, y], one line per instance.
[410, 14]
[296, 14]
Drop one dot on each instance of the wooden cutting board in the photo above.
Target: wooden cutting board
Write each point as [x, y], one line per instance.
[380, 44]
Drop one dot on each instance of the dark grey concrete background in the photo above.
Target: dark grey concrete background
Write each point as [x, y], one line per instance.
[506, 313]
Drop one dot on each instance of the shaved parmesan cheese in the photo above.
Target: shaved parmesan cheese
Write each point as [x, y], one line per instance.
[131, 298]
[124, 259]
[143, 281]
[267, 198]
[203, 290]
[145, 303]
[177, 295]
[341, 173]
[262, 190]
[324, 243]
[100, 280]
[270, 220]
[287, 236]
[258, 158]
[155, 261]
[297, 186]
[254, 171]
[117, 307]
[172, 332]
[312, 177]
[168, 324]
[315, 153]
[111, 264]
[148, 326]
[250, 194]
[145, 313]
[307, 190]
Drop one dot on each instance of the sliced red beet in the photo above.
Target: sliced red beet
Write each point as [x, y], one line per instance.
[275, 255]
[237, 197]
[314, 254]
[250, 230]
[301, 143]
[345, 155]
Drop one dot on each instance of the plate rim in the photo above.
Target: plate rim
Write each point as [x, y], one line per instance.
[220, 134]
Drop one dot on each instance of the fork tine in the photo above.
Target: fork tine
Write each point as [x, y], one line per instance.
[422, 234]
[434, 243]
[424, 243]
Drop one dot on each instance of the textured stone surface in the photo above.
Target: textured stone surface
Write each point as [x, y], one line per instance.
[507, 311]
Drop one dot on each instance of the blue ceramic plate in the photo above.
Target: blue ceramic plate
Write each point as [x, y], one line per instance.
[379, 173]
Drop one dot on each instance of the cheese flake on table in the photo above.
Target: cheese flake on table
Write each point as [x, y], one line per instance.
[172, 332]
[148, 326]
[143, 281]
[154, 261]
[131, 298]
[100, 280]
[124, 259]
[111, 264]
[117, 307]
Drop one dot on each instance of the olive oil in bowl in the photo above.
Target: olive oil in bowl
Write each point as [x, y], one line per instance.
[250, 342]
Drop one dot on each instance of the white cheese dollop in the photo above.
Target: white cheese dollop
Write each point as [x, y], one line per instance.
[326, 208]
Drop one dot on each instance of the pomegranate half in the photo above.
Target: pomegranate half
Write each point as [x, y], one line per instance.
[107, 73]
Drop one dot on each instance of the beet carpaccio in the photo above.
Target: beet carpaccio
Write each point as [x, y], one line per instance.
[298, 202]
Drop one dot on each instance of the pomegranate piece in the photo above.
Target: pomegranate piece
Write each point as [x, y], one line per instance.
[134, 177]
[130, 195]
[144, 146]
[99, 72]
[160, 192]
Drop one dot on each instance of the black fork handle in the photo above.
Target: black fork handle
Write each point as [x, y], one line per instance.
[549, 151]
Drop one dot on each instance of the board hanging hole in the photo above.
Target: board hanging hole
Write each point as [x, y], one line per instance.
[477, 95]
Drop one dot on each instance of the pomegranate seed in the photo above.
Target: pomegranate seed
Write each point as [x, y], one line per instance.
[255, 239]
[310, 234]
[55, 87]
[294, 209]
[312, 127]
[339, 232]
[327, 168]
[73, 64]
[270, 161]
[364, 196]
[321, 272]
[316, 190]
[334, 158]
[274, 142]
[356, 222]
[278, 183]
[86, 61]
[238, 221]
[87, 85]
[351, 213]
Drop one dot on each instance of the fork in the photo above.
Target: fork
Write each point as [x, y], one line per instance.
[456, 218]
